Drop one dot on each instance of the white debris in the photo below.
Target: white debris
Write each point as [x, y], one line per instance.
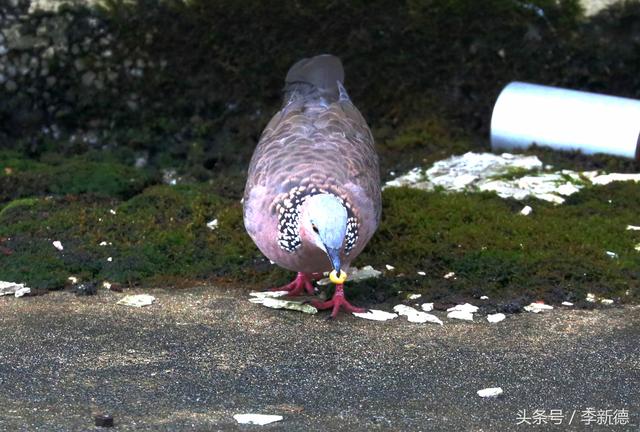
[449, 275]
[427, 307]
[526, 211]
[484, 297]
[74, 280]
[508, 175]
[17, 289]
[58, 245]
[496, 317]
[110, 259]
[421, 273]
[415, 296]
[212, 225]
[611, 255]
[538, 307]
[466, 307]
[103, 243]
[637, 247]
[376, 315]
[268, 294]
[355, 275]
[605, 179]
[606, 301]
[390, 267]
[106, 285]
[461, 315]
[490, 392]
[567, 303]
[21, 292]
[591, 297]
[415, 316]
[112, 211]
[257, 419]
[137, 300]
[276, 303]
[633, 228]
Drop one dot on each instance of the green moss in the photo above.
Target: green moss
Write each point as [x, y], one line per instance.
[22, 177]
[160, 233]
[495, 251]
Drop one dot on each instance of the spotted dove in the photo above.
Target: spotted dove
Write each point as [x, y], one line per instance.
[312, 198]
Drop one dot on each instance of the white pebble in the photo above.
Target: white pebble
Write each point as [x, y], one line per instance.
[566, 303]
[390, 267]
[526, 211]
[427, 307]
[490, 392]
[484, 298]
[213, 224]
[415, 316]
[449, 275]
[376, 315]
[421, 273]
[110, 259]
[466, 307]
[496, 317]
[461, 315]
[415, 296]
[606, 301]
[58, 245]
[538, 307]
[591, 297]
[256, 419]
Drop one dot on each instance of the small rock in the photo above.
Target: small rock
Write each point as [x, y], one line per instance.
[257, 419]
[414, 296]
[390, 267]
[495, 318]
[490, 392]
[484, 297]
[212, 225]
[415, 316]
[461, 315]
[591, 297]
[137, 300]
[566, 303]
[103, 420]
[427, 307]
[526, 211]
[466, 307]
[421, 273]
[450, 275]
[58, 245]
[538, 307]
[376, 315]
[606, 301]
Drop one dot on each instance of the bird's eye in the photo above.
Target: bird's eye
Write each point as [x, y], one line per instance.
[315, 229]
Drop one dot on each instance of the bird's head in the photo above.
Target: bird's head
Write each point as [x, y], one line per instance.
[324, 224]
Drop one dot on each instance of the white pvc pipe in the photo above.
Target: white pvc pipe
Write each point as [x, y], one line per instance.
[527, 114]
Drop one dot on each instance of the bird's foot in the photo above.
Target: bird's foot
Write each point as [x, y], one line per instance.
[336, 303]
[301, 283]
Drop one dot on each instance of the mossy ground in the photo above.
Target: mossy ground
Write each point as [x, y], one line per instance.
[158, 236]
[426, 97]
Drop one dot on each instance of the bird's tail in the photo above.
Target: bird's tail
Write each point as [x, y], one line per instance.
[315, 78]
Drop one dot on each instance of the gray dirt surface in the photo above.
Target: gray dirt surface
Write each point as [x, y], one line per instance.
[198, 356]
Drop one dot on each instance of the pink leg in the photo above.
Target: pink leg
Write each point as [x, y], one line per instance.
[301, 283]
[338, 301]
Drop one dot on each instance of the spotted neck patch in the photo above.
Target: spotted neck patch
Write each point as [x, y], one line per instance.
[288, 210]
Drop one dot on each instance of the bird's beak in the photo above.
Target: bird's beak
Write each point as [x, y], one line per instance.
[334, 257]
